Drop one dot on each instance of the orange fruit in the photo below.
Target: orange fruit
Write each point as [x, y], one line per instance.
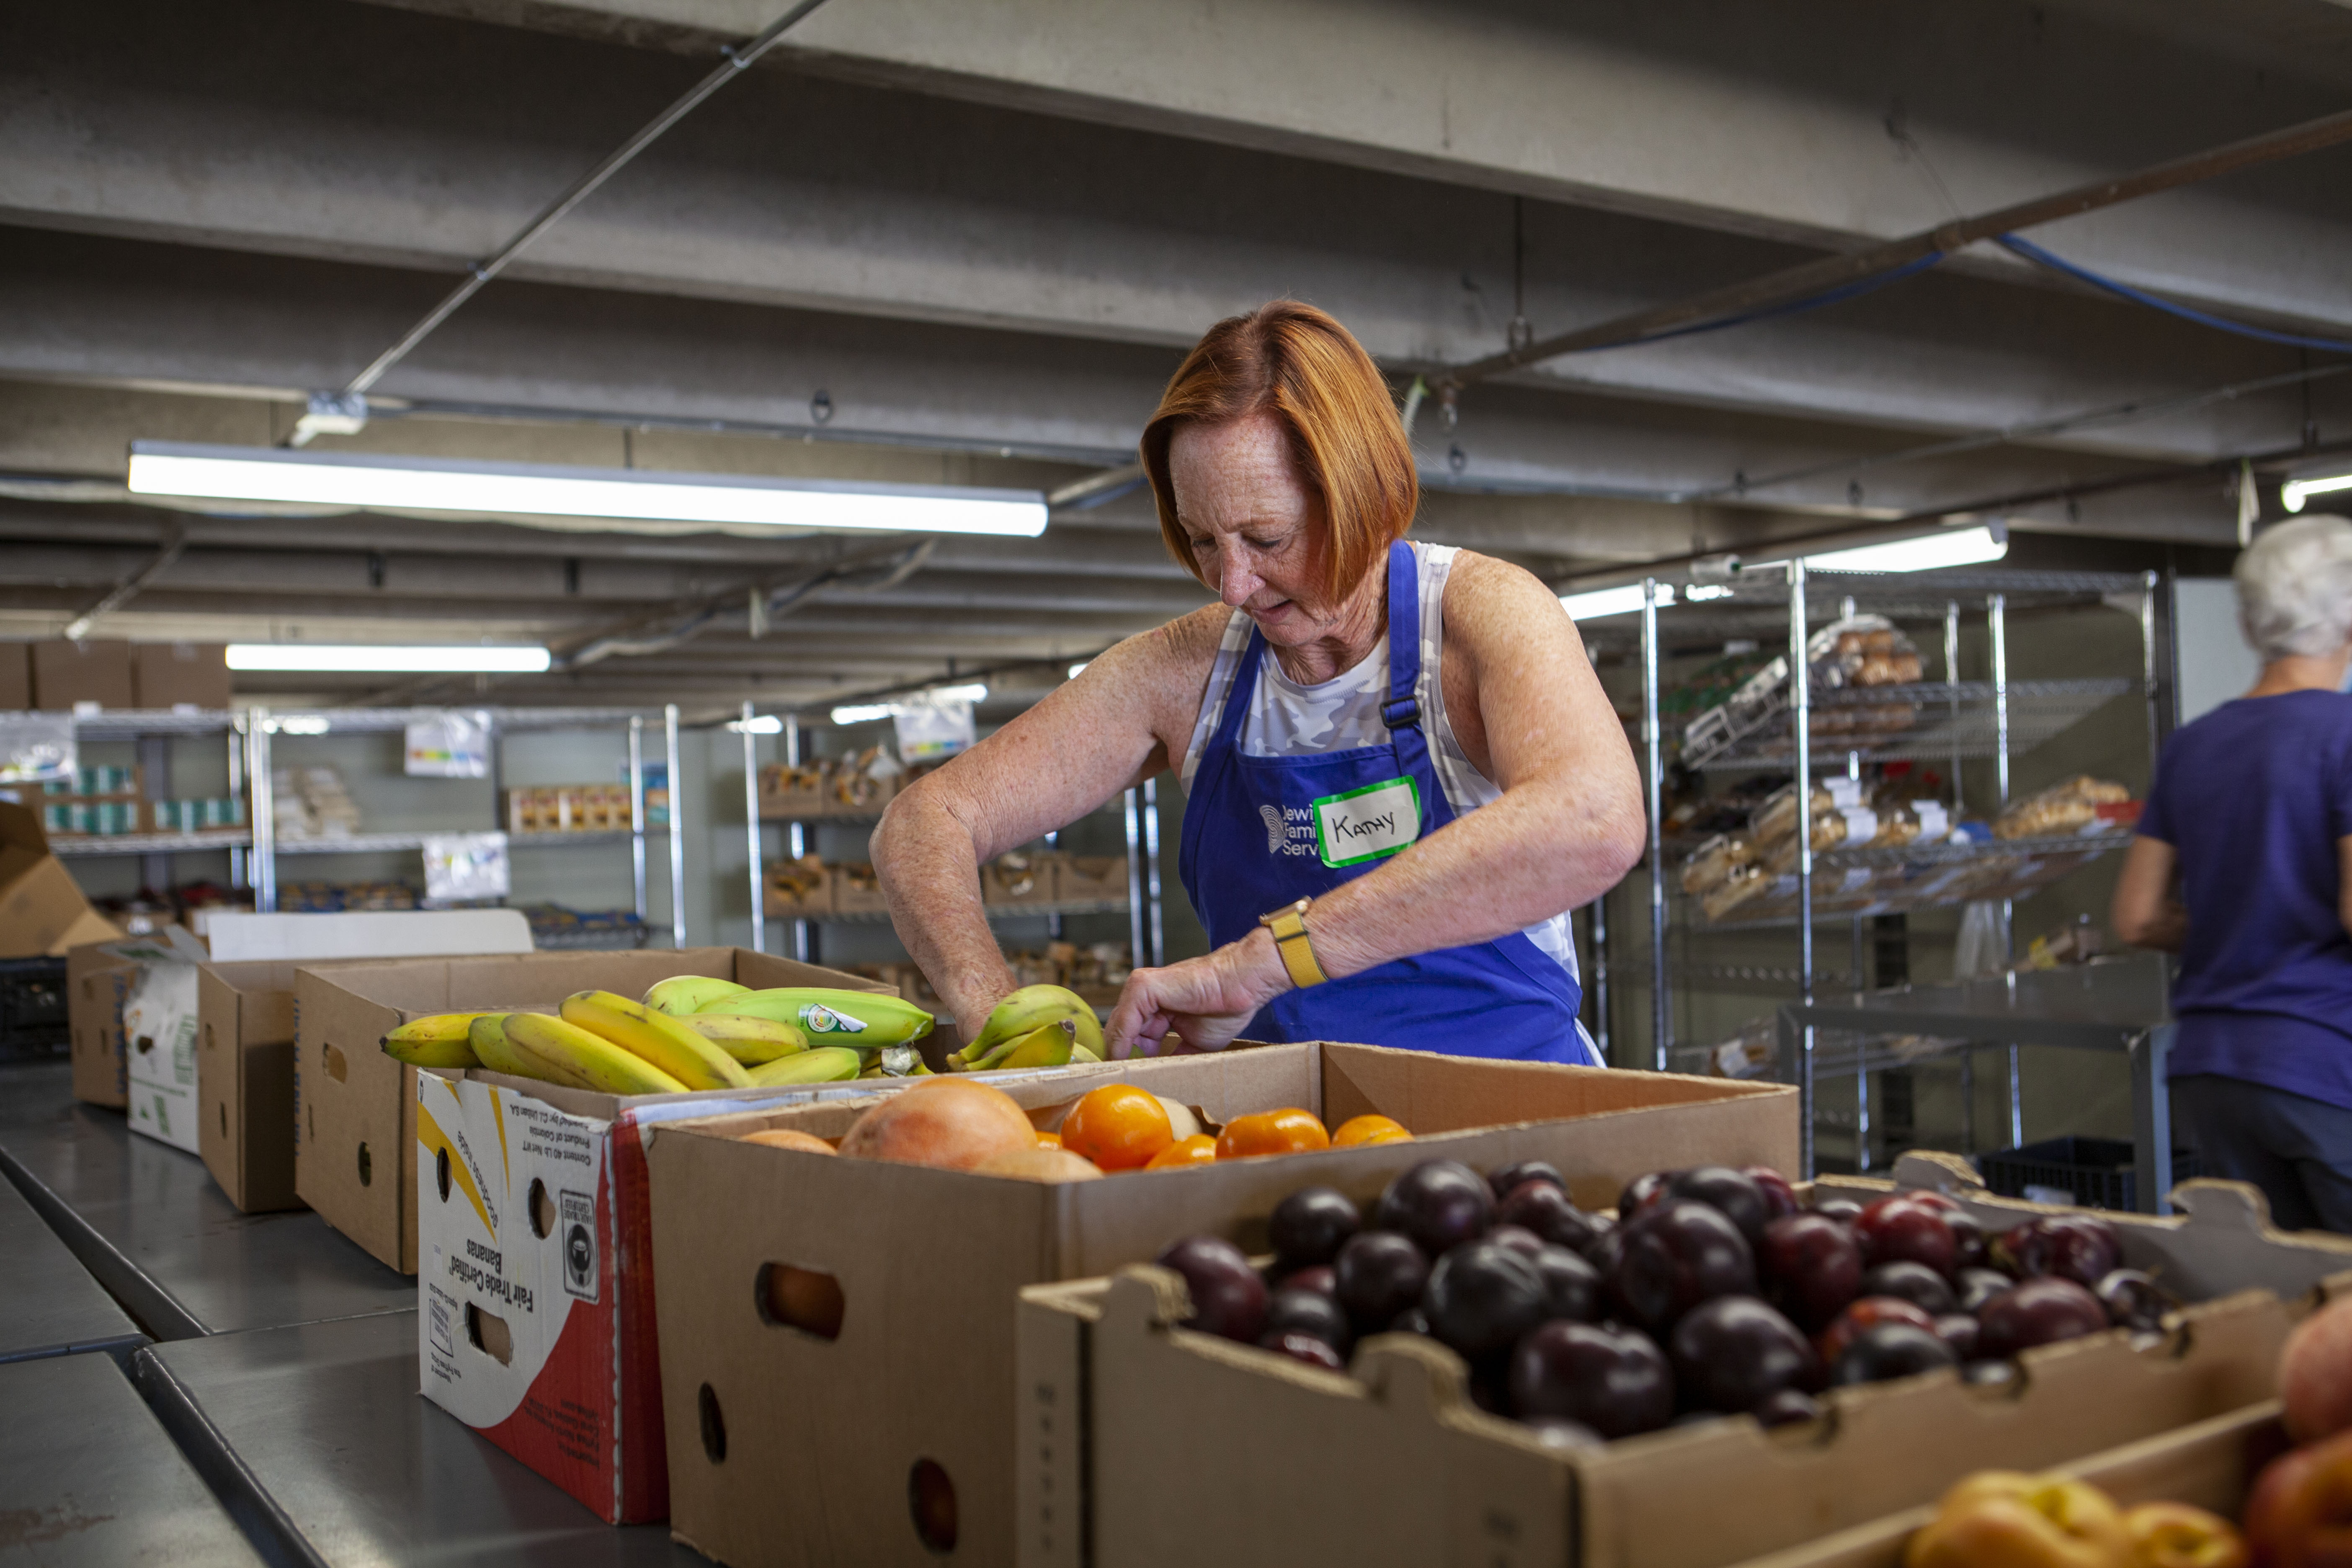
[1368, 1128]
[1289, 1130]
[1198, 1150]
[1118, 1126]
[1049, 1140]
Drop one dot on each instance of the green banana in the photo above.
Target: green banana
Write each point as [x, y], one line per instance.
[559, 1046]
[748, 1040]
[439, 1041]
[1050, 1047]
[656, 1038]
[868, 1020]
[1031, 1008]
[684, 994]
[821, 1064]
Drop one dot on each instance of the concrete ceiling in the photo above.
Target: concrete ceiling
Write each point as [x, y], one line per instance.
[986, 232]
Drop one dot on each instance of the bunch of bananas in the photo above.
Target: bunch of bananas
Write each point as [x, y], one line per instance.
[691, 1032]
[1036, 1027]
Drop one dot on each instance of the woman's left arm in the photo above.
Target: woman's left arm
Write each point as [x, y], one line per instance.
[1567, 827]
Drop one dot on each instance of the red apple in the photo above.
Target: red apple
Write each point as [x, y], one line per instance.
[2315, 1374]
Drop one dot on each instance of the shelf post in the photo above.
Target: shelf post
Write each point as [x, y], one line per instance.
[2148, 581]
[637, 811]
[1952, 684]
[1996, 622]
[795, 839]
[751, 830]
[1662, 1021]
[677, 830]
[1599, 916]
[240, 861]
[1135, 933]
[1151, 868]
[263, 807]
[1801, 705]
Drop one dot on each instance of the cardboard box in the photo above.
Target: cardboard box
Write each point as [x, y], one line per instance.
[1409, 1471]
[536, 1319]
[797, 889]
[15, 677]
[96, 980]
[42, 912]
[245, 1081]
[795, 1449]
[1003, 884]
[177, 674]
[66, 673]
[856, 891]
[355, 1128]
[1090, 879]
[2212, 1465]
[160, 1030]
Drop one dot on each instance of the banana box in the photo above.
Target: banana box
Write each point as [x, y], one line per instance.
[535, 1300]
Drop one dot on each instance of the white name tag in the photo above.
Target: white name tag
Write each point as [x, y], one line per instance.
[1368, 823]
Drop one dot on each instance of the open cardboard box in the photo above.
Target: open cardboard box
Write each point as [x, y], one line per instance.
[244, 1081]
[96, 983]
[1394, 1464]
[2211, 1464]
[42, 910]
[806, 1449]
[536, 1321]
[355, 1107]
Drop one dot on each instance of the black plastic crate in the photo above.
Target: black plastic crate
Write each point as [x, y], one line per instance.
[33, 1009]
[2097, 1170]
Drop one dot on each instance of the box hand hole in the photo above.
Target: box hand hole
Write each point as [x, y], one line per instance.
[543, 1209]
[800, 1299]
[441, 1172]
[367, 1166]
[714, 1425]
[931, 1500]
[336, 1068]
[489, 1333]
[223, 1108]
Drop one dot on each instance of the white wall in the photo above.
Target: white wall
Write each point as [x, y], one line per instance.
[2216, 663]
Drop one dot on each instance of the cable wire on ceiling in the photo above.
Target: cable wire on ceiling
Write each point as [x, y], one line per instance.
[2035, 254]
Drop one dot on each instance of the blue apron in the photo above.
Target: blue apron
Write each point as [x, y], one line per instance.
[1263, 832]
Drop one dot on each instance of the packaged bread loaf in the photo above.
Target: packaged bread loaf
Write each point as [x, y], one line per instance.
[2068, 807]
[1739, 885]
[1713, 860]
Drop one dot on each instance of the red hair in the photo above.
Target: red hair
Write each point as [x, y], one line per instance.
[1297, 364]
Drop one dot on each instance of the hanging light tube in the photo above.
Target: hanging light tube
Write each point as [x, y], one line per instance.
[434, 484]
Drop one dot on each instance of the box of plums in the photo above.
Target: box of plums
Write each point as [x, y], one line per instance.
[1490, 1365]
[845, 1320]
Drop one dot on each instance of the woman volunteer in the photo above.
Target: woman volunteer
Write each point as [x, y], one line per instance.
[1400, 771]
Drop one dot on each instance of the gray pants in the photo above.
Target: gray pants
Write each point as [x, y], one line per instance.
[2297, 1150]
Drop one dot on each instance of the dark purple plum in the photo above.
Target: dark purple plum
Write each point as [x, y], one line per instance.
[1788, 1407]
[1378, 1275]
[1674, 1256]
[2133, 1301]
[1571, 1286]
[1886, 1351]
[1311, 1225]
[1865, 1313]
[1812, 1267]
[1644, 1193]
[1845, 1211]
[1780, 1197]
[1291, 1310]
[2037, 1312]
[2062, 1246]
[1614, 1381]
[1971, 1243]
[1317, 1277]
[1412, 1321]
[1733, 1353]
[1961, 1332]
[1307, 1348]
[1913, 1282]
[1547, 1210]
[1736, 1196]
[1228, 1297]
[1977, 1286]
[1517, 1237]
[1507, 1179]
[1438, 1204]
[1481, 1297]
[1905, 1228]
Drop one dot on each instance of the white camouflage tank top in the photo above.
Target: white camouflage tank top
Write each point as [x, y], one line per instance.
[1287, 720]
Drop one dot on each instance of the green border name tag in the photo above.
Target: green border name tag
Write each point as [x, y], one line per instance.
[1361, 825]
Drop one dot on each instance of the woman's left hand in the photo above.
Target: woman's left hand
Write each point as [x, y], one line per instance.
[1205, 1001]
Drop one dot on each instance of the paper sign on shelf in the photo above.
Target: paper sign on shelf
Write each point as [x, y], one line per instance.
[449, 745]
[35, 747]
[461, 866]
[931, 727]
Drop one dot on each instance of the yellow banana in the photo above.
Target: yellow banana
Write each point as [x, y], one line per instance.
[821, 1064]
[1033, 1007]
[1049, 1047]
[658, 1038]
[867, 1019]
[488, 1036]
[684, 994]
[439, 1041]
[1079, 1054]
[563, 1045]
[748, 1040]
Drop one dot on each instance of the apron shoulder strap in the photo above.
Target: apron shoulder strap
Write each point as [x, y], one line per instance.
[1240, 694]
[1402, 711]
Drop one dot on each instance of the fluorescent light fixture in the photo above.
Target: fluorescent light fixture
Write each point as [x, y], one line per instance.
[302, 725]
[387, 657]
[758, 724]
[1075, 668]
[1621, 601]
[866, 712]
[1698, 593]
[2292, 493]
[1929, 552]
[429, 484]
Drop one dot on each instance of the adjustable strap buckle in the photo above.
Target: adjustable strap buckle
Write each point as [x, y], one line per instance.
[1401, 714]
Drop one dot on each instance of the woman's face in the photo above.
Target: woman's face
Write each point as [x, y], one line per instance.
[1254, 524]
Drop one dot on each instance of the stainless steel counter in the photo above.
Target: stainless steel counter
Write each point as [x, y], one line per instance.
[49, 1305]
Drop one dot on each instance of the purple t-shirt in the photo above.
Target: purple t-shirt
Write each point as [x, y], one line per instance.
[2254, 797]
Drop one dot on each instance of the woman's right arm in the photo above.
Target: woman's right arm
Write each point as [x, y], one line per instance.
[2145, 914]
[1121, 720]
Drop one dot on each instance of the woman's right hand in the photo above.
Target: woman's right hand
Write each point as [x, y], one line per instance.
[1204, 1002]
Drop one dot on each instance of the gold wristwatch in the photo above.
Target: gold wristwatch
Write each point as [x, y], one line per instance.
[1288, 925]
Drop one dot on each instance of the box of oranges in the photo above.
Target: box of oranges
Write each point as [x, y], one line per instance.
[839, 1330]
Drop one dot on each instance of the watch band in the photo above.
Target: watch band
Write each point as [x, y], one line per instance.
[1288, 925]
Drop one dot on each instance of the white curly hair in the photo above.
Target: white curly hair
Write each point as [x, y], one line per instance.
[2294, 588]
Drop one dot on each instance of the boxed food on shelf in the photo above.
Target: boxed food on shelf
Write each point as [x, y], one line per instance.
[180, 674]
[567, 808]
[335, 898]
[312, 803]
[196, 815]
[537, 1321]
[910, 1387]
[856, 889]
[1112, 1378]
[1019, 877]
[1091, 878]
[857, 785]
[67, 674]
[356, 1131]
[2080, 804]
[798, 889]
